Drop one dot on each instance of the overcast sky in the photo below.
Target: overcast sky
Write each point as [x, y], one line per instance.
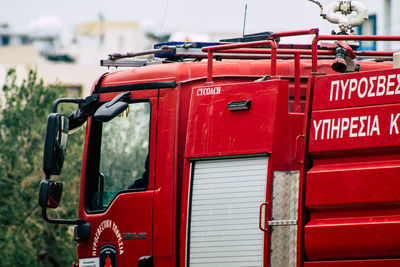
[187, 15]
[164, 16]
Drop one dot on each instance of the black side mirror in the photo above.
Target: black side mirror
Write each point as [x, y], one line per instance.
[55, 145]
[50, 194]
[55, 148]
[111, 109]
[49, 197]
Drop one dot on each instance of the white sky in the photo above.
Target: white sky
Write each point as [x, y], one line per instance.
[200, 16]
[188, 15]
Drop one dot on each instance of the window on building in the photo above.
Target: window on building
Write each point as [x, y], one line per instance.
[368, 28]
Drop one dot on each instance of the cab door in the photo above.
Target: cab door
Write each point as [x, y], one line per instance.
[118, 184]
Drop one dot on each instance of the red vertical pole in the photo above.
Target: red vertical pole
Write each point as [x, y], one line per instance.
[273, 57]
[297, 81]
[210, 57]
[314, 49]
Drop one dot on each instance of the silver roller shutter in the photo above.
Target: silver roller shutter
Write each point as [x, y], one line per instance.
[225, 198]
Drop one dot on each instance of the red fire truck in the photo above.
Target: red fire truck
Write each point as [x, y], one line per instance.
[262, 154]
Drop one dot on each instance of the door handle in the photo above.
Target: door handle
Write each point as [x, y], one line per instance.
[264, 229]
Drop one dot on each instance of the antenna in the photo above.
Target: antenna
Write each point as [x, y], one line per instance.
[244, 20]
[163, 18]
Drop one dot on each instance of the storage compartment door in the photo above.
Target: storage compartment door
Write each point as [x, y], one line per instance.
[223, 224]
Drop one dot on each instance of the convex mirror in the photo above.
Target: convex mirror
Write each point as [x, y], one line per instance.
[55, 145]
[50, 194]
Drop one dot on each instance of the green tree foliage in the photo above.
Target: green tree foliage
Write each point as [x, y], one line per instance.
[25, 238]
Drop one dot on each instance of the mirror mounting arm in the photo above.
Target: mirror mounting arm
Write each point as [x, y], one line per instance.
[86, 109]
[82, 103]
[82, 228]
[79, 101]
[60, 221]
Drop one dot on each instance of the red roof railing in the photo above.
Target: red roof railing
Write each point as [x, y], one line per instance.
[227, 48]
[245, 48]
[274, 51]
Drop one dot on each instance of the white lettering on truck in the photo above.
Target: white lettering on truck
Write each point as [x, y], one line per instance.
[103, 226]
[209, 91]
[373, 86]
[358, 126]
[393, 123]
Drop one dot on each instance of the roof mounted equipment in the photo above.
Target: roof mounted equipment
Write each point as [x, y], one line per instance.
[337, 13]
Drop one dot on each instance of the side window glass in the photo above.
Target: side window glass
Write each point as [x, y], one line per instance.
[124, 154]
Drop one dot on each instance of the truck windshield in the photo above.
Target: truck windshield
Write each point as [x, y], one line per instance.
[122, 157]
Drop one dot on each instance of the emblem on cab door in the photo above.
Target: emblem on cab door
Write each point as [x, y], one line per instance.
[108, 256]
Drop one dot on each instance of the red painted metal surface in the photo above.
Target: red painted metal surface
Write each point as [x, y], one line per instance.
[355, 213]
[313, 31]
[306, 162]
[355, 263]
[214, 130]
[365, 186]
[337, 125]
[164, 206]
[349, 239]
[358, 89]
[350, 189]
[348, 129]
[297, 81]
[197, 71]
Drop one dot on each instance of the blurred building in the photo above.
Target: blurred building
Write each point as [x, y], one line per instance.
[74, 65]
[9, 38]
[96, 40]
[384, 19]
